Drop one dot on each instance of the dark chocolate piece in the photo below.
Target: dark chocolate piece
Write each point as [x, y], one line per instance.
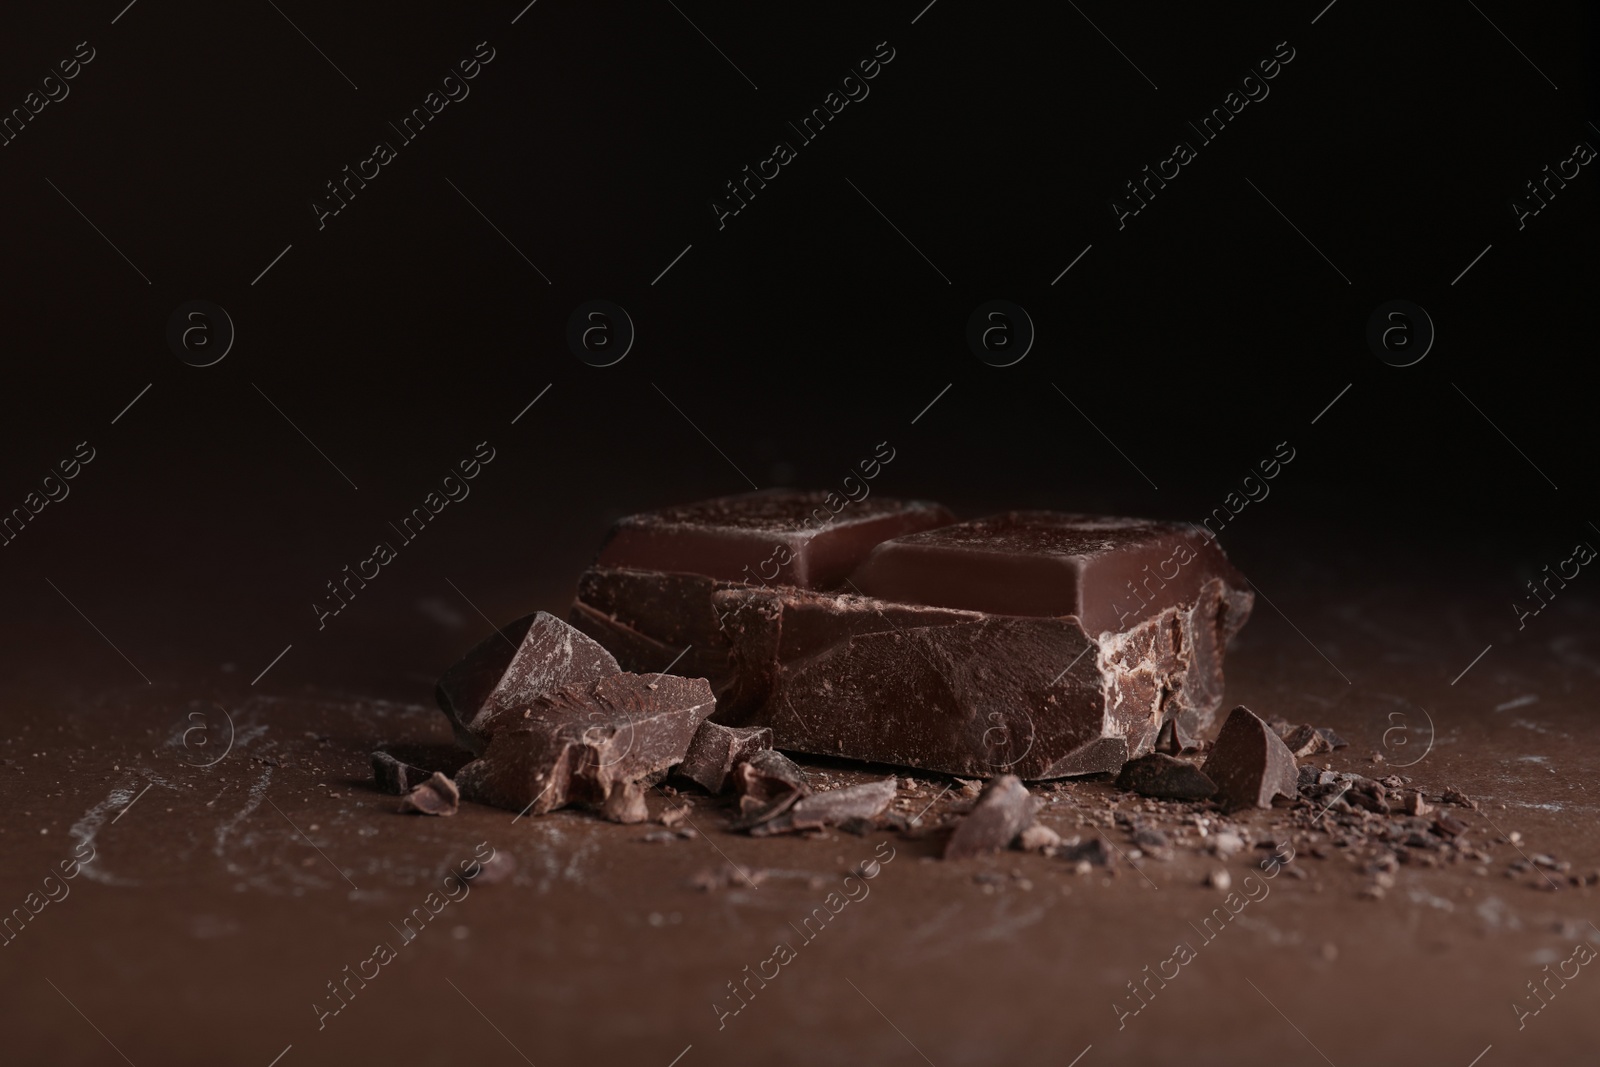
[1094, 852]
[580, 744]
[716, 748]
[1036, 644]
[1250, 763]
[1004, 809]
[1332, 739]
[1305, 741]
[963, 692]
[1174, 740]
[393, 776]
[775, 536]
[1109, 573]
[437, 795]
[531, 657]
[1158, 775]
[765, 776]
[833, 808]
[648, 595]
[625, 804]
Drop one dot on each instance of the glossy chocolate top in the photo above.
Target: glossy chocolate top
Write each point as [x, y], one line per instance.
[1111, 573]
[774, 537]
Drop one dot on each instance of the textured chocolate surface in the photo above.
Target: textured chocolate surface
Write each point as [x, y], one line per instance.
[527, 659]
[581, 743]
[893, 668]
[715, 750]
[966, 692]
[1250, 763]
[1110, 573]
[807, 539]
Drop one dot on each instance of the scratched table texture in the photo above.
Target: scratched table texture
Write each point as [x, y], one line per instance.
[280, 279]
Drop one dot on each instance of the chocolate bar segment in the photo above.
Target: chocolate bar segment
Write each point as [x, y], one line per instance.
[776, 536]
[648, 596]
[1036, 644]
[1109, 573]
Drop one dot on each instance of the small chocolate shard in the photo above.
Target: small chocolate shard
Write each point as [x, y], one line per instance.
[625, 804]
[833, 808]
[1332, 739]
[1004, 809]
[581, 743]
[394, 776]
[767, 776]
[716, 749]
[1039, 838]
[1305, 741]
[768, 784]
[1174, 739]
[1161, 776]
[437, 795]
[530, 658]
[1250, 763]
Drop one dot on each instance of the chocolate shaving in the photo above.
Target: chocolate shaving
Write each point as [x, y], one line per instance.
[436, 796]
[1003, 810]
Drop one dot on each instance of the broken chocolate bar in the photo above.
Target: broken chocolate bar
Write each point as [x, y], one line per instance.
[716, 749]
[1004, 809]
[529, 658]
[1033, 643]
[587, 742]
[1250, 763]
[648, 595]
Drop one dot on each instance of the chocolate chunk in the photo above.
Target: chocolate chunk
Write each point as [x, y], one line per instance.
[534, 656]
[1331, 739]
[392, 776]
[1307, 740]
[1159, 775]
[497, 868]
[1174, 740]
[625, 804]
[833, 808]
[1250, 763]
[1003, 810]
[579, 744]
[716, 748]
[766, 775]
[437, 795]
[1032, 643]
[768, 783]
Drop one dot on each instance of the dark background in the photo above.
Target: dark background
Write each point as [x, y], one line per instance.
[798, 337]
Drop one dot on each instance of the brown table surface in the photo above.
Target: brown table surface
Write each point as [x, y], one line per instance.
[222, 901]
